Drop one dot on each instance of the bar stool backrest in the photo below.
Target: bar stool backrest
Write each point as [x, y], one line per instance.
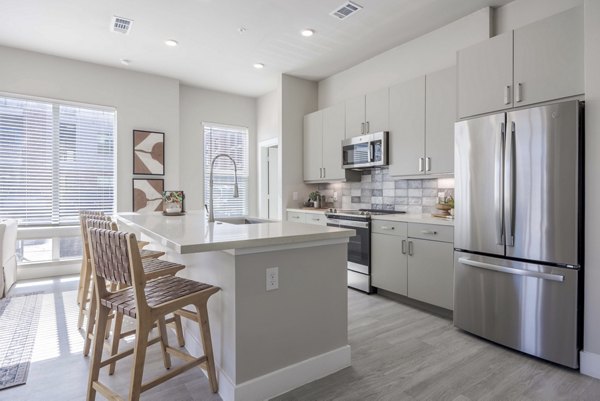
[83, 224]
[110, 255]
[105, 224]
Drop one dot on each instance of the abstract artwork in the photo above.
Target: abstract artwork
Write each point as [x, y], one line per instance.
[147, 195]
[148, 152]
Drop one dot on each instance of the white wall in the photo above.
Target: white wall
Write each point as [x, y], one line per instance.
[522, 12]
[428, 53]
[268, 119]
[201, 105]
[143, 101]
[299, 97]
[590, 358]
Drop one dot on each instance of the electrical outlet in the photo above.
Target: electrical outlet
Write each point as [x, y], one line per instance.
[294, 195]
[335, 196]
[272, 278]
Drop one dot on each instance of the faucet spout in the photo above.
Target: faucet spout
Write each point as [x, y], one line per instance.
[236, 191]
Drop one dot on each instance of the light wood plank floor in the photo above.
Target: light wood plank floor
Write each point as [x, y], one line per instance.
[398, 353]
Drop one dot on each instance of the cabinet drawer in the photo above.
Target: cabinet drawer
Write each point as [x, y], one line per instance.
[389, 227]
[296, 217]
[314, 218]
[431, 232]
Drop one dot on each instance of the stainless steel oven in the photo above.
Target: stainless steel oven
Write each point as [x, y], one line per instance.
[365, 151]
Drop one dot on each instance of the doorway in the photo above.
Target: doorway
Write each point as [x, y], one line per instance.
[270, 193]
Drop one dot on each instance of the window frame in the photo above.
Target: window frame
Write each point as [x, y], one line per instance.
[206, 165]
[56, 103]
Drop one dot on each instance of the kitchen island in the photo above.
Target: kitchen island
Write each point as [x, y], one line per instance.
[266, 342]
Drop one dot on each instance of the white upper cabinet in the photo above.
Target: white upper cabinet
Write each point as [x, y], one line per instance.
[485, 76]
[334, 128]
[377, 111]
[407, 128]
[548, 60]
[367, 113]
[440, 116]
[537, 63]
[355, 116]
[313, 146]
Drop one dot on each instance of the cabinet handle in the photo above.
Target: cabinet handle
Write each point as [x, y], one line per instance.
[518, 92]
[404, 247]
[388, 227]
[428, 164]
[295, 217]
[507, 94]
[321, 172]
[410, 248]
[324, 173]
[368, 127]
[420, 164]
[429, 232]
[316, 219]
[362, 128]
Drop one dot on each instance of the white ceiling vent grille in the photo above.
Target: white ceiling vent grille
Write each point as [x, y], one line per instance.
[345, 10]
[121, 25]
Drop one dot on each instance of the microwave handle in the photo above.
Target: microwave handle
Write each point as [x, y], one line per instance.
[370, 151]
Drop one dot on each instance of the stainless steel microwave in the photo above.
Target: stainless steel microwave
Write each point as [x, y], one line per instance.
[365, 151]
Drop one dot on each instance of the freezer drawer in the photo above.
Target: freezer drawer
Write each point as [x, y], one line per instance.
[528, 307]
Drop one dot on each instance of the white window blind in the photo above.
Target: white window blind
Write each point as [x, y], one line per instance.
[232, 141]
[55, 159]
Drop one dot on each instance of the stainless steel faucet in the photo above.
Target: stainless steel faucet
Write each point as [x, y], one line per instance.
[236, 192]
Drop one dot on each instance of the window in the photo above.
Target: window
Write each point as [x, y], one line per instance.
[55, 159]
[232, 141]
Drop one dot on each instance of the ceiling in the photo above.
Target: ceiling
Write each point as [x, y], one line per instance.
[212, 53]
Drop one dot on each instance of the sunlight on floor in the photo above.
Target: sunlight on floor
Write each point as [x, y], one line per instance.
[46, 340]
[75, 337]
[37, 283]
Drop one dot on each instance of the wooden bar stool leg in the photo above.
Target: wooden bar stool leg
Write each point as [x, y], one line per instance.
[81, 277]
[207, 345]
[179, 330]
[116, 340]
[97, 354]
[139, 357]
[85, 290]
[164, 342]
[90, 327]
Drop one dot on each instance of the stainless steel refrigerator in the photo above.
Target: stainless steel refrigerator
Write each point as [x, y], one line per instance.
[519, 229]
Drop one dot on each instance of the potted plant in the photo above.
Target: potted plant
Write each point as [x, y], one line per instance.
[315, 197]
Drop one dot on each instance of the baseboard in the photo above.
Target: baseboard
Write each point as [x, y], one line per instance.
[293, 376]
[589, 364]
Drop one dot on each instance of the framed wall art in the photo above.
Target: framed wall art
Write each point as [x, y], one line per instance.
[148, 195]
[148, 152]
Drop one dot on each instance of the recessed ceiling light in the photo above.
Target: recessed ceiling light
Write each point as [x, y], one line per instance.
[171, 42]
[242, 29]
[259, 66]
[307, 33]
[125, 61]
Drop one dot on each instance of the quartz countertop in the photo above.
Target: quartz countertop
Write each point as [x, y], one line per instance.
[415, 218]
[192, 233]
[308, 210]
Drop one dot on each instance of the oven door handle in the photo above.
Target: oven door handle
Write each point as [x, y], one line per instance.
[348, 223]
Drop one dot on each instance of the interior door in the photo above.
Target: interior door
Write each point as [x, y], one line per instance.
[478, 172]
[542, 183]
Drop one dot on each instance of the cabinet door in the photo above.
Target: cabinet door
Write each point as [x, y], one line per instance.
[296, 217]
[485, 76]
[549, 58]
[355, 116]
[440, 116]
[407, 127]
[388, 263]
[431, 272]
[377, 111]
[313, 146]
[334, 128]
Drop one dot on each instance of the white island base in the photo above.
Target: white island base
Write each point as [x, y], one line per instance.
[269, 342]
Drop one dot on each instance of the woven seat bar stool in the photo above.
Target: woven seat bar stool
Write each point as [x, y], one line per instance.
[83, 297]
[115, 258]
[153, 268]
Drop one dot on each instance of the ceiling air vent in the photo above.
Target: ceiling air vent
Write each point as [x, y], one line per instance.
[345, 10]
[121, 25]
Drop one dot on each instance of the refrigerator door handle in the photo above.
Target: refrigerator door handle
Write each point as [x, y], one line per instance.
[499, 184]
[511, 270]
[509, 187]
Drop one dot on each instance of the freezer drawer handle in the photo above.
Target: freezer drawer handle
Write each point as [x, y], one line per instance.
[388, 227]
[510, 270]
[429, 232]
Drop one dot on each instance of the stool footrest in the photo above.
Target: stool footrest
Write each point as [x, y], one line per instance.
[106, 392]
[123, 354]
[174, 372]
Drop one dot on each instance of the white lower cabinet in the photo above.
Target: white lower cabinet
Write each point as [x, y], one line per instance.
[415, 260]
[307, 217]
